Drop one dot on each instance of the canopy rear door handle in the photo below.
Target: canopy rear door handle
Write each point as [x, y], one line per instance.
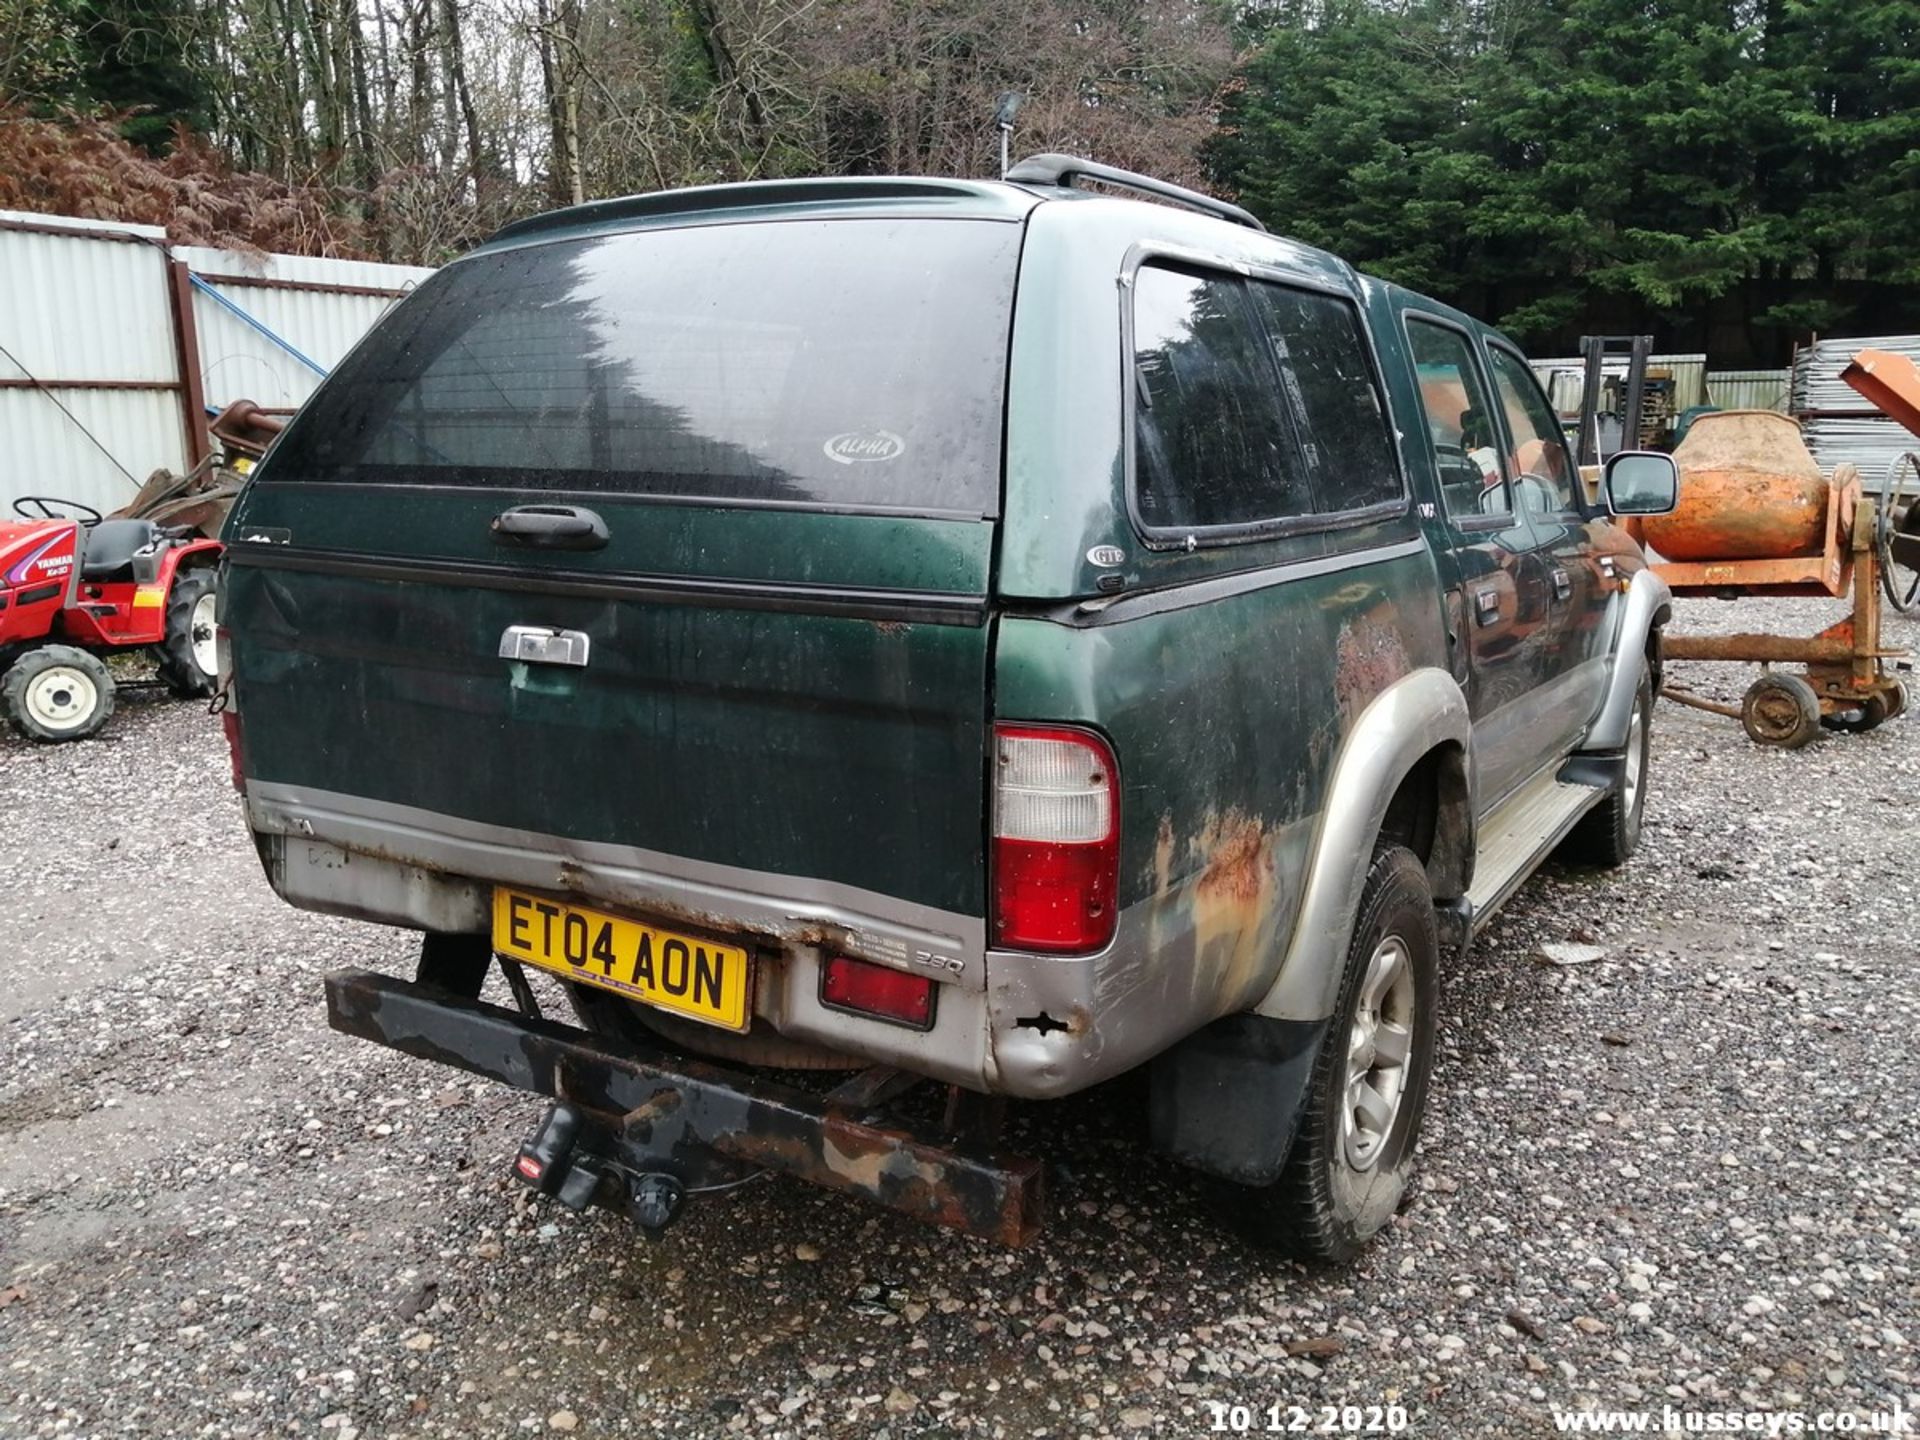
[550, 527]
[1486, 606]
[1562, 584]
[540, 645]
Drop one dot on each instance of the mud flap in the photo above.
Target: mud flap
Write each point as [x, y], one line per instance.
[1226, 1100]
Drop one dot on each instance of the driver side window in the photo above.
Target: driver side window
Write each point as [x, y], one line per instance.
[1461, 427]
[1543, 470]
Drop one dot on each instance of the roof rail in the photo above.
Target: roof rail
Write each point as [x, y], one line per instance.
[1053, 169]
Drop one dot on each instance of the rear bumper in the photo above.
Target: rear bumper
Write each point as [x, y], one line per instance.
[652, 1114]
[1028, 1026]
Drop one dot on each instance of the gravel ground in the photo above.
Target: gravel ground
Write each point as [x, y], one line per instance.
[1682, 1174]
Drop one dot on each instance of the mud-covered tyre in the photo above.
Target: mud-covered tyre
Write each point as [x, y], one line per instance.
[57, 692]
[1609, 833]
[186, 653]
[1352, 1154]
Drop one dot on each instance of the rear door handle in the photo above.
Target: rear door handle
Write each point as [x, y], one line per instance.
[550, 527]
[1486, 606]
[540, 645]
[1562, 584]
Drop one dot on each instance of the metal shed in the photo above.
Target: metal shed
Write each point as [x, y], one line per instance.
[115, 345]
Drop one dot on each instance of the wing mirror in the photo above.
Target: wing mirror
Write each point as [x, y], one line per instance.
[1641, 482]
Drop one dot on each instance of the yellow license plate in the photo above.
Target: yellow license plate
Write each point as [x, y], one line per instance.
[682, 973]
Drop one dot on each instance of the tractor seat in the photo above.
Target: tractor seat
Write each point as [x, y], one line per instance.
[110, 546]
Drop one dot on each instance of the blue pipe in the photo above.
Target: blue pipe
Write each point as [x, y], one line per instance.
[307, 360]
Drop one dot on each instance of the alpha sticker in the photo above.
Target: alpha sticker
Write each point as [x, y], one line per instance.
[863, 447]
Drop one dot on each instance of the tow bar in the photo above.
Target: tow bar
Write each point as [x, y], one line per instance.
[639, 1132]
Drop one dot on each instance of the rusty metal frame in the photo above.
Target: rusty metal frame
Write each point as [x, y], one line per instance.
[75, 232]
[29, 382]
[316, 287]
[186, 345]
[656, 1112]
[1846, 661]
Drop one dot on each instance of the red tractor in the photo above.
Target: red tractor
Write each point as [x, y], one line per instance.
[74, 587]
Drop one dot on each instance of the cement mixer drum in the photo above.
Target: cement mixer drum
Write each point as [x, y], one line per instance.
[1749, 490]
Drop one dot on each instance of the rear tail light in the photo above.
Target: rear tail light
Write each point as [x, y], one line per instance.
[877, 990]
[230, 725]
[1056, 839]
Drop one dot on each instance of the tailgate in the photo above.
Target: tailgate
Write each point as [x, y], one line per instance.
[792, 435]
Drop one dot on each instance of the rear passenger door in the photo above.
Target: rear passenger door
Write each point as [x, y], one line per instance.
[1285, 584]
[1548, 492]
[1499, 613]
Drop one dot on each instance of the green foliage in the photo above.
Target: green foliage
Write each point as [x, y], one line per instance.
[136, 59]
[39, 51]
[1564, 163]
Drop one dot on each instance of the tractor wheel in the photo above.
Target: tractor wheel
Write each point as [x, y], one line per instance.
[188, 659]
[56, 692]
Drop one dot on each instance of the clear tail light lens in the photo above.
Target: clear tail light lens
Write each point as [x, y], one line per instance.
[1056, 839]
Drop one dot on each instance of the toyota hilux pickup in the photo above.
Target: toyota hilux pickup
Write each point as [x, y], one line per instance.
[892, 646]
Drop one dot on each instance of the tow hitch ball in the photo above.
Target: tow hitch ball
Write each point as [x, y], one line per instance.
[556, 1163]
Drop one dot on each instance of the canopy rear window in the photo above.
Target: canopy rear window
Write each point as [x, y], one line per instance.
[824, 362]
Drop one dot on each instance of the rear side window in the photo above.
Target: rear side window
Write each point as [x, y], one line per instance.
[1254, 403]
[832, 362]
[1332, 396]
[1210, 446]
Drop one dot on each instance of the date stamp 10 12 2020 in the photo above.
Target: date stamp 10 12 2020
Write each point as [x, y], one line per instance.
[1281, 1418]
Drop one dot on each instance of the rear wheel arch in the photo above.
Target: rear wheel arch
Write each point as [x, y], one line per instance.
[1419, 720]
[1431, 814]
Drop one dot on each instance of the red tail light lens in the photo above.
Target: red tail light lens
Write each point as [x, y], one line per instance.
[877, 990]
[1056, 839]
[230, 726]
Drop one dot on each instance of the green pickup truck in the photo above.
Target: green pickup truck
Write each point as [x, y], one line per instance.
[893, 645]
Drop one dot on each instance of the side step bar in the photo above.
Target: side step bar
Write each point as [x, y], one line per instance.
[1523, 830]
[658, 1116]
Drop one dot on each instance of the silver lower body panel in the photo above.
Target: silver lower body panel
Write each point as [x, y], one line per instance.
[1019, 1024]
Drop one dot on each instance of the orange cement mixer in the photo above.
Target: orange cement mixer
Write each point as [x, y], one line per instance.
[1750, 490]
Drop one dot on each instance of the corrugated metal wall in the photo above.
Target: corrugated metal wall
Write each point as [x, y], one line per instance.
[1562, 378]
[93, 401]
[1748, 389]
[240, 363]
[88, 306]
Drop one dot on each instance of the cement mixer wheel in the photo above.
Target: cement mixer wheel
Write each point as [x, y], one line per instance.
[1780, 710]
[1874, 711]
